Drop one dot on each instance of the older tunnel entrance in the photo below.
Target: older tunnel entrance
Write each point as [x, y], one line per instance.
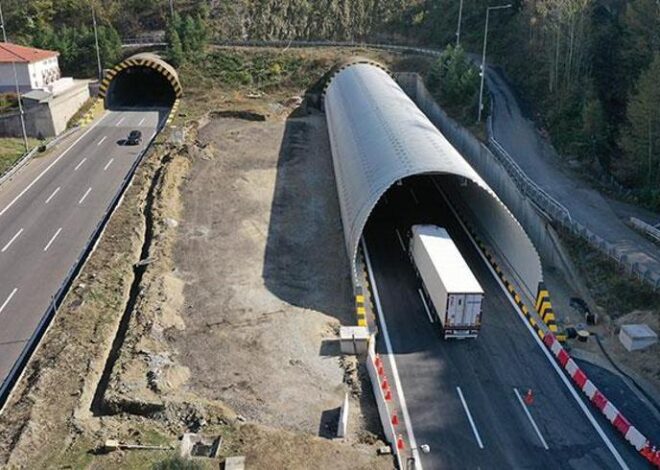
[141, 87]
[142, 80]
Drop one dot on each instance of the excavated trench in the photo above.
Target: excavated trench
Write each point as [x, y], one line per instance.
[99, 406]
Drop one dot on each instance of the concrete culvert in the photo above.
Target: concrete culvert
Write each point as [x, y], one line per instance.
[142, 80]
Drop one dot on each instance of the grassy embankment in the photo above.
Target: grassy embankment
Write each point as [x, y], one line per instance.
[11, 149]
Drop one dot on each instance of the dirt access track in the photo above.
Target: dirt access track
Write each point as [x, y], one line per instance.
[212, 304]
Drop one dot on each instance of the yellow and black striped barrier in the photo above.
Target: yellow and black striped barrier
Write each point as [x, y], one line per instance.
[173, 111]
[144, 59]
[360, 309]
[544, 309]
[547, 315]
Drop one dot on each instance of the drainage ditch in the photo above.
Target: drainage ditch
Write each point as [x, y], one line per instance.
[99, 406]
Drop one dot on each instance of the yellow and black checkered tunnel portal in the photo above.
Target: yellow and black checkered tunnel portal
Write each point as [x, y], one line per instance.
[142, 80]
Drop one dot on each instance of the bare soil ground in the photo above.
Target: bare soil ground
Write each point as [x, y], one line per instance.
[267, 279]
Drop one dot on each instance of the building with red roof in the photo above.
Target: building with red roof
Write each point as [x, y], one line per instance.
[35, 68]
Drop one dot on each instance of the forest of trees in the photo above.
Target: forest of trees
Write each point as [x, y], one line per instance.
[587, 68]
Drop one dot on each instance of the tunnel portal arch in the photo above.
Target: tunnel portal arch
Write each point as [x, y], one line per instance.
[143, 79]
[378, 136]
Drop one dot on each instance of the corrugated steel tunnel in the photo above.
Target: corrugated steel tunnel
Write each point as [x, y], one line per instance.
[379, 137]
[142, 80]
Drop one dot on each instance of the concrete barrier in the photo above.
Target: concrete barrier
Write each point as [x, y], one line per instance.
[384, 411]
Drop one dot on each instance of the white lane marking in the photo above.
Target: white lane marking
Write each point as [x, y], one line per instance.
[53, 194]
[469, 416]
[531, 420]
[52, 239]
[426, 307]
[6, 302]
[80, 164]
[540, 344]
[141, 121]
[403, 246]
[108, 164]
[12, 240]
[120, 121]
[101, 141]
[412, 193]
[390, 355]
[84, 196]
[34, 181]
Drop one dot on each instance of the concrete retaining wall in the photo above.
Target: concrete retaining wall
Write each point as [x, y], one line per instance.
[488, 167]
[46, 119]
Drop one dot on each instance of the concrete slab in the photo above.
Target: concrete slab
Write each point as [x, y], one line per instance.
[636, 337]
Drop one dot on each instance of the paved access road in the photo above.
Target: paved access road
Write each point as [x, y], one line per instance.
[603, 216]
[488, 370]
[48, 212]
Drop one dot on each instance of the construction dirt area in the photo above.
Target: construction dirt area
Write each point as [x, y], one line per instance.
[211, 305]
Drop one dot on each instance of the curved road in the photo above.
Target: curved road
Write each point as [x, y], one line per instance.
[604, 217]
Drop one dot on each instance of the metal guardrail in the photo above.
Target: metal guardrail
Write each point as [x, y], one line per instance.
[648, 229]
[560, 214]
[27, 156]
[57, 299]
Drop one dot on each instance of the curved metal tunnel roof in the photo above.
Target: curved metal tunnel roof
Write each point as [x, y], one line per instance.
[379, 136]
[142, 59]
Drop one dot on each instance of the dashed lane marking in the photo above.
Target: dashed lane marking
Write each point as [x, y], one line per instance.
[53, 194]
[469, 416]
[531, 420]
[4, 248]
[50, 242]
[6, 302]
[80, 164]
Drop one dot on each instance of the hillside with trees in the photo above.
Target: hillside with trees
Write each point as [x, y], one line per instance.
[585, 67]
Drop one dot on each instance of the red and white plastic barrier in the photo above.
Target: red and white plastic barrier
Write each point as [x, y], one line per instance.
[600, 401]
[388, 416]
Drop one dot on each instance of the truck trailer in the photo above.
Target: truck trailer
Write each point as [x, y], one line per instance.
[452, 293]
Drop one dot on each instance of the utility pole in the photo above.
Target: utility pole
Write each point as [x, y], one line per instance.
[483, 58]
[96, 39]
[458, 27]
[18, 90]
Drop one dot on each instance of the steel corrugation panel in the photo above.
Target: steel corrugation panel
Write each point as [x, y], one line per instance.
[379, 136]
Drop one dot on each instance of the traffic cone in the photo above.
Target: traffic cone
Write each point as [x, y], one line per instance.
[377, 361]
[381, 371]
[388, 395]
[395, 419]
[529, 397]
[399, 443]
[385, 385]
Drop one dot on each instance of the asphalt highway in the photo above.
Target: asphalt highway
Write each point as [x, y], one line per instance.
[48, 212]
[462, 395]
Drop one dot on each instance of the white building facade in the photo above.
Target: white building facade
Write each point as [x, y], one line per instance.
[35, 68]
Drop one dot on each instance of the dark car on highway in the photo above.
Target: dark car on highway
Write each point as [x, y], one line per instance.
[134, 138]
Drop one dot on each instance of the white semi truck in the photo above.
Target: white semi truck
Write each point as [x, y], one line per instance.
[452, 293]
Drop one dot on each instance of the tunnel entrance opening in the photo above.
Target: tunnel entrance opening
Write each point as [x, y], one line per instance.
[140, 86]
[413, 200]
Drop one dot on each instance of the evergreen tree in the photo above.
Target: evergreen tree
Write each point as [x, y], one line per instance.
[454, 79]
[641, 139]
[175, 52]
